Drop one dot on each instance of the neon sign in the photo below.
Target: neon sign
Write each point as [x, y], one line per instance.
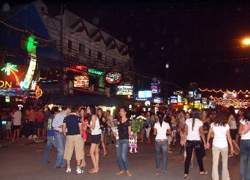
[113, 77]
[93, 71]
[11, 68]
[5, 84]
[81, 81]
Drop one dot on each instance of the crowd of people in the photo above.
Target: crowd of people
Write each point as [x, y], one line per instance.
[69, 129]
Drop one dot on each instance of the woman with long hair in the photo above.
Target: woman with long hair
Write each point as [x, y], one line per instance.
[124, 129]
[245, 148]
[192, 134]
[221, 132]
[104, 128]
[161, 129]
[232, 121]
[96, 138]
[83, 114]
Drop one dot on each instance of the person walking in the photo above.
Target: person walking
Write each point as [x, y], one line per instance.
[221, 132]
[59, 138]
[161, 129]
[50, 136]
[148, 126]
[124, 129]
[192, 135]
[16, 119]
[96, 138]
[245, 147]
[74, 140]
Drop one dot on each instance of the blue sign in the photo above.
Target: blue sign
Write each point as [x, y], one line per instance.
[144, 94]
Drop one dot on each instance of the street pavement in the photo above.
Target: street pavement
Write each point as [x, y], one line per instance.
[23, 161]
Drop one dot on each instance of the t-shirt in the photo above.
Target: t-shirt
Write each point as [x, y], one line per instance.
[50, 131]
[161, 130]
[123, 129]
[39, 117]
[72, 122]
[97, 129]
[17, 118]
[193, 135]
[220, 135]
[247, 135]
[32, 116]
[233, 123]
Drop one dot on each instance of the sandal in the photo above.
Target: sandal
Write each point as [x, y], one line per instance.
[92, 171]
[119, 173]
[185, 176]
[203, 172]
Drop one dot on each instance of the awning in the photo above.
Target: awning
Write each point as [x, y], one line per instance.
[86, 100]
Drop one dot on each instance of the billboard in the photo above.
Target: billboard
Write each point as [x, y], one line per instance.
[124, 90]
[145, 94]
[81, 81]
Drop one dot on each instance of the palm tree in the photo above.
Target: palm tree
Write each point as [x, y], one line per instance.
[11, 68]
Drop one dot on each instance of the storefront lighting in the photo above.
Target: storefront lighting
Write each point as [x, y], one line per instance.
[93, 71]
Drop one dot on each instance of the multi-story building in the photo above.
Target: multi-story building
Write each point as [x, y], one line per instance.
[84, 45]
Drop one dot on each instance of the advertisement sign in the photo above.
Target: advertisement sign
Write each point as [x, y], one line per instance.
[113, 77]
[11, 75]
[158, 100]
[173, 99]
[145, 94]
[124, 90]
[154, 87]
[81, 81]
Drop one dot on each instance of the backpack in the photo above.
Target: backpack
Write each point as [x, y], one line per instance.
[246, 127]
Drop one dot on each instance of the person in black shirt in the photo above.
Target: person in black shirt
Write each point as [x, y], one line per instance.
[124, 129]
[73, 140]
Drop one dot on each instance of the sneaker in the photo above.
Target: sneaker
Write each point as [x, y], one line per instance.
[79, 171]
[68, 170]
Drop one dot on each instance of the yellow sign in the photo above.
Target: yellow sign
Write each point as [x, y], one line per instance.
[5, 84]
[39, 92]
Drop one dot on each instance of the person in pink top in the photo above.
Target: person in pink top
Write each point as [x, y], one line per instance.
[40, 123]
[84, 120]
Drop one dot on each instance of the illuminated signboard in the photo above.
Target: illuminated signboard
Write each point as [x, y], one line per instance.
[113, 77]
[144, 94]
[154, 87]
[12, 75]
[124, 90]
[81, 81]
[93, 71]
[173, 99]
[158, 100]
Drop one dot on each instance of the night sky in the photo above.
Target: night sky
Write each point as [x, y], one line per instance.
[201, 40]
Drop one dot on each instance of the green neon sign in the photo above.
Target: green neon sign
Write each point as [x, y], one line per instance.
[31, 47]
[93, 71]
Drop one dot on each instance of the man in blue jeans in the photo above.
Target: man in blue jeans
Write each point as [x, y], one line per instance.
[50, 136]
[59, 137]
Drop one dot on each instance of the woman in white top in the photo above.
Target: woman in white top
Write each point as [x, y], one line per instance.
[221, 131]
[96, 138]
[161, 129]
[245, 148]
[193, 133]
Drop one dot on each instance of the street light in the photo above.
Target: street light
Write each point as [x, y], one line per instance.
[167, 67]
[246, 41]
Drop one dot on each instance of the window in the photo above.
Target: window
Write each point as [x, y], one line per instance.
[99, 55]
[69, 46]
[81, 48]
[114, 62]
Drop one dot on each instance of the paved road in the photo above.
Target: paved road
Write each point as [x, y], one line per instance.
[23, 161]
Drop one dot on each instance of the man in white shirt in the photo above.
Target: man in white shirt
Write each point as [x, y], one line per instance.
[16, 118]
[59, 138]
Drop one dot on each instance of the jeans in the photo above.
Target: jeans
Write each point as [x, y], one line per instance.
[60, 146]
[199, 151]
[31, 126]
[50, 142]
[161, 145]
[122, 154]
[245, 159]
[216, 156]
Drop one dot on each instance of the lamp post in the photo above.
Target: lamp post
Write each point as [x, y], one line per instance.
[167, 67]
